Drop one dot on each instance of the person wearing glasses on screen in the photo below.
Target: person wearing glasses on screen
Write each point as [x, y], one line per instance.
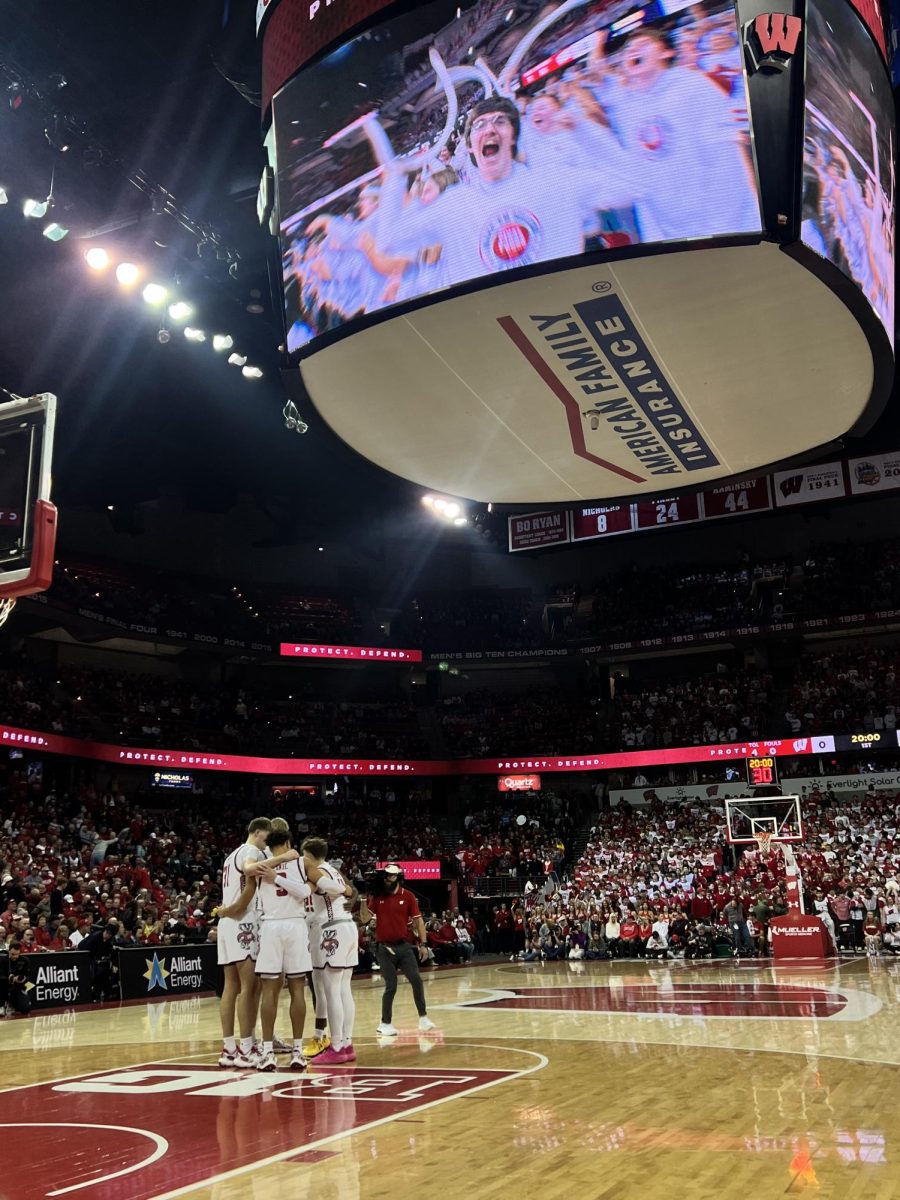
[508, 214]
[685, 131]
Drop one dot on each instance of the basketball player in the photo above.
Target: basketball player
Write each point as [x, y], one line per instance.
[696, 177]
[284, 896]
[508, 214]
[334, 947]
[238, 944]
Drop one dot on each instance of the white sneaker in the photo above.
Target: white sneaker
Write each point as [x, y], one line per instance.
[246, 1062]
[426, 1024]
[267, 1063]
[226, 1058]
[386, 1030]
[281, 1047]
[298, 1062]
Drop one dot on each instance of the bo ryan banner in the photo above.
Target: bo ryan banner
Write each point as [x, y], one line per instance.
[52, 743]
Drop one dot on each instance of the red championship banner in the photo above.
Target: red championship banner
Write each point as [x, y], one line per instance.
[519, 783]
[732, 499]
[350, 653]
[532, 530]
[297, 30]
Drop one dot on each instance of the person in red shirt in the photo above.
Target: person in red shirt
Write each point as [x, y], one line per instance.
[398, 922]
[628, 937]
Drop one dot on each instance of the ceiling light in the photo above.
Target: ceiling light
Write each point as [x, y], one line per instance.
[97, 258]
[222, 341]
[452, 509]
[428, 501]
[55, 232]
[127, 274]
[35, 208]
[4, 197]
[440, 505]
[237, 360]
[460, 521]
[155, 294]
[194, 335]
[164, 337]
[180, 311]
[251, 372]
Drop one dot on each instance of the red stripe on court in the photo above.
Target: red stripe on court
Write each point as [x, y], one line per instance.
[562, 393]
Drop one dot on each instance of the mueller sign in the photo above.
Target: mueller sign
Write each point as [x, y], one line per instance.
[771, 41]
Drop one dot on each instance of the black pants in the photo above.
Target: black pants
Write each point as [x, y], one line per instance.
[399, 956]
[15, 996]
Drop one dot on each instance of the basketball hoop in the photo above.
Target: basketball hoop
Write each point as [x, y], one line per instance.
[764, 839]
[7, 604]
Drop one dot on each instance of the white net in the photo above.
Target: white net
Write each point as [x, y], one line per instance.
[764, 839]
[7, 604]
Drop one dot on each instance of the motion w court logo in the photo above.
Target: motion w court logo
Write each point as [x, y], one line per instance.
[771, 41]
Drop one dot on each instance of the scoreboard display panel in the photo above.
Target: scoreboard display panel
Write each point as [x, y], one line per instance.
[762, 771]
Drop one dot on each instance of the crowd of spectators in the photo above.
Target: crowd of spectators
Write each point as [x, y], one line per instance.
[850, 690]
[163, 710]
[720, 707]
[663, 601]
[481, 723]
[528, 837]
[661, 881]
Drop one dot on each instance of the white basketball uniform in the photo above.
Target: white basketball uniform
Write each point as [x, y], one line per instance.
[238, 939]
[283, 932]
[333, 938]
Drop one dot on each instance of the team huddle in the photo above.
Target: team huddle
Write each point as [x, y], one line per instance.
[285, 915]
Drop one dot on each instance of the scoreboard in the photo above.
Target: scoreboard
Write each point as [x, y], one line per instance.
[727, 500]
[762, 771]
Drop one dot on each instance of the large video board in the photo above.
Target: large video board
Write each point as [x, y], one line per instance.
[455, 143]
[848, 180]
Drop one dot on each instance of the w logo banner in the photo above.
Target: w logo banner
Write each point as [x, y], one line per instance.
[771, 40]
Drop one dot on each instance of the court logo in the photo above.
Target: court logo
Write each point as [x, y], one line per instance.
[511, 240]
[156, 974]
[771, 41]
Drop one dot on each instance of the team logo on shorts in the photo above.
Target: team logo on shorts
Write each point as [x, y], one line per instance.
[329, 943]
[654, 137]
[246, 936]
[512, 239]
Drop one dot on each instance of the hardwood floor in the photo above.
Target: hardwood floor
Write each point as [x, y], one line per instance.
[609, 1082]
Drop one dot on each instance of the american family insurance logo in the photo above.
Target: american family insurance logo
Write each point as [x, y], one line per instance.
[597, 363]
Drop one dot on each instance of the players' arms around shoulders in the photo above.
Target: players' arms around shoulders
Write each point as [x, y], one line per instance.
[293, 885]
[264, 864]
[236, 911]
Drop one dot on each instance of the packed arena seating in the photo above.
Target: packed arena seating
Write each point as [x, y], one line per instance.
[851, 689]
[153, 710]
[830, 581]
[720, 707]
[530, 836]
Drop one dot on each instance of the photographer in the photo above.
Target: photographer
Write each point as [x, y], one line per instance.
[398, 922]
[13, 995]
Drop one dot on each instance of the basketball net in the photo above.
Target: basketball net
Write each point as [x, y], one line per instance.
[7, 604]
[763, 841]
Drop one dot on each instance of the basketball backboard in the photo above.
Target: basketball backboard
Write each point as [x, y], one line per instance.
[746, 817]
[27, 516]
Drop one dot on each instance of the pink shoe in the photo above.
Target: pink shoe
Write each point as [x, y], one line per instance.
[348, 1054]
[329, 1058]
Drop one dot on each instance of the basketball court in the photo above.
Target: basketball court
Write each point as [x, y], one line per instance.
[618, 1081]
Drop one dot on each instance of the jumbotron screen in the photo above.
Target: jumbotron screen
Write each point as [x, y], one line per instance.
[454, 143]
[848, 181]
